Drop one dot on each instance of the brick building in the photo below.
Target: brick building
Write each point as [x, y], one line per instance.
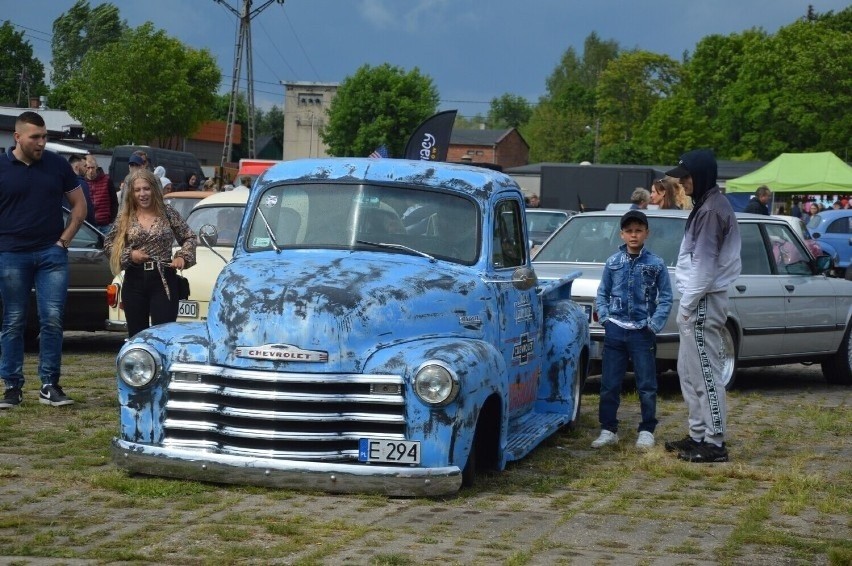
[506, 148]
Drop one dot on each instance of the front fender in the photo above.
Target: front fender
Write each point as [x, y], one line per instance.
[447, 432]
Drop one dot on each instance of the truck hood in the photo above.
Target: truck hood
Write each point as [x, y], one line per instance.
[328, 311]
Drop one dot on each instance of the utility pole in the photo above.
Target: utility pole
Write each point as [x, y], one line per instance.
[245, 16]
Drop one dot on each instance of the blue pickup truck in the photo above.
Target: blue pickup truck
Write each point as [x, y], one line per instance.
[378, 329]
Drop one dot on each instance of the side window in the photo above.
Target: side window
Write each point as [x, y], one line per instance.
[85, 238]
[508, 246]
[754, 257]
[789, 255]
[839, 226]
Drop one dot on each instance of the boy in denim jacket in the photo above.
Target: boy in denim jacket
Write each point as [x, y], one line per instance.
[633, 304]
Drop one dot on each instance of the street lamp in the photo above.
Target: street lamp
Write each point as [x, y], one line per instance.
[597, 130]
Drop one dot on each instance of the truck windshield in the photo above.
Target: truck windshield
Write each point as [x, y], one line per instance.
[352, 216]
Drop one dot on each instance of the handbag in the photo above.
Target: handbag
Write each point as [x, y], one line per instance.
[183, 287]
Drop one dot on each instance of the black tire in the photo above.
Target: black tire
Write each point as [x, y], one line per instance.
[837, 370]
[729, 345]
[577, 391]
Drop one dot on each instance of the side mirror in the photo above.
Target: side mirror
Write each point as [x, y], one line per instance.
[208, 235]
[823, 264]
[524, 278]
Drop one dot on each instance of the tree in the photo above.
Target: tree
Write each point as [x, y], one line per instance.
[22, 74]
[375, 106]
[509, 111]
[564, 124]
[627, 91]
[271, 123]
[160, 89]
[75, 33]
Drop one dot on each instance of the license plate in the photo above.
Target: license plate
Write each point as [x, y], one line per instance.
[588, 309]
[188, 309]
[389, 451]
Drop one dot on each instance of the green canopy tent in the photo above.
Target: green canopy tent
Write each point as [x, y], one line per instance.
[801, 173]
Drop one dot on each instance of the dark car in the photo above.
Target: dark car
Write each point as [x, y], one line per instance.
[88, 274]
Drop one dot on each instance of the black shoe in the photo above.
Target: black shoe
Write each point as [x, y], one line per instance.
[12, 398]
[681, 445]
[705, 453]
[54, 396]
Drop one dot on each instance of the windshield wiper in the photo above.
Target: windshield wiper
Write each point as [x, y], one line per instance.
[272, 239]
[398, 247]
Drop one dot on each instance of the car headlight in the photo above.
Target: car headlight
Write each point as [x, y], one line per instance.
[138, 366]
[436, 384]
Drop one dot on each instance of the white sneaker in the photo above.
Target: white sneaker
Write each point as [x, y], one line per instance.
[645, 440]
[606, 437]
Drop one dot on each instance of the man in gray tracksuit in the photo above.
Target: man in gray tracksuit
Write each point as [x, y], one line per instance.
[708, 261]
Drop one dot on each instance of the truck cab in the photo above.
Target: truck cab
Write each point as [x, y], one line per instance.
[378, 329]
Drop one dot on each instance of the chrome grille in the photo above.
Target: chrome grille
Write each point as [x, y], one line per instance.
[301, 416]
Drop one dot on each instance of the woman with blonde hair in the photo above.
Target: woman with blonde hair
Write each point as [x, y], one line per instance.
[140, 243]
[664, 193]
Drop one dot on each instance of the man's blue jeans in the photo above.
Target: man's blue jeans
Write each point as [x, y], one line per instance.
[47, 271]
[621, 345]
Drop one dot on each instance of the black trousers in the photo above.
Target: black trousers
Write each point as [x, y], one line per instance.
[145, 298]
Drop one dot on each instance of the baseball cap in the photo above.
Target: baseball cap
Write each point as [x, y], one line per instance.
[634, 215]
[135, 160]
[679, 172]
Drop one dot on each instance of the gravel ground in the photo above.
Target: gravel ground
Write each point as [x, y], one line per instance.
[783, 499]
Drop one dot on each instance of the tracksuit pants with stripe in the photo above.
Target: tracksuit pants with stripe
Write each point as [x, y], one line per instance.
[699, 367]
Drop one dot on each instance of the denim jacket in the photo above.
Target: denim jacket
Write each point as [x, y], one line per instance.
[635, 290]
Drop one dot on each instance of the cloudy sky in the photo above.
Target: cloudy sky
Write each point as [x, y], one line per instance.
[474, 50]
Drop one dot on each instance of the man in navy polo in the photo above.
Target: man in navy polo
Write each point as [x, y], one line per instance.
[34, 253]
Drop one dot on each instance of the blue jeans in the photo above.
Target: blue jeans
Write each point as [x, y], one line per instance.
[621, 345]
[47, 271]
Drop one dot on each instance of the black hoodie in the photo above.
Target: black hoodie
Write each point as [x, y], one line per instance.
[701, 164]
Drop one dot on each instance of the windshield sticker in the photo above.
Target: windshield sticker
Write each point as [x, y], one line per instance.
[260, 242]
[270, 201]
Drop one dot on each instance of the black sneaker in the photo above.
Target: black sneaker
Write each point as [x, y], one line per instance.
[54, 396]
[687, 443]
[705, 453]
[12, 398]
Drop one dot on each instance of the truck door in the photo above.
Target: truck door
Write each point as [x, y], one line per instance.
[521, 312]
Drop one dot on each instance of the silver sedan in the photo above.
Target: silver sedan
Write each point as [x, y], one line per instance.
[784, 307]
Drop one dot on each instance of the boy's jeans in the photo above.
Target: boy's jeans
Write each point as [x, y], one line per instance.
[619, 346]
[47, 271]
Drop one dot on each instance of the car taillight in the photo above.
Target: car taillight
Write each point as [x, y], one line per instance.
[112, 292]
[595, 315]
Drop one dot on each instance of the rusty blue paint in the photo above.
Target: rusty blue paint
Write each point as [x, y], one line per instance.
[373, 312]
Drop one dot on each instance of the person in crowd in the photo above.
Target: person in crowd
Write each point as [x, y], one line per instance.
[535, 202]
[210, 185]
[165, 182]
[708, 261]
[633, 303]
[192, 183]
[664, 193]
[103, 196]
[837, 205]
[141, 244]
[759, 203]
[245, 181]
[78, 164]
[796, 210]
[640, 198]
[34, 242]
[812, 211]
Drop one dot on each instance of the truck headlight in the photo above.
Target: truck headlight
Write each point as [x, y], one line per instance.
[138, 366]
[436, 384]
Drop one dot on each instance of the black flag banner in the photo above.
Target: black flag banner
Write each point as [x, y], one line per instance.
[431, 140]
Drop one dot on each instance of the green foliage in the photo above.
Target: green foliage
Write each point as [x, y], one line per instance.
[16, 58]
[159, 90]
[375, 106]
[509, 111]
[76, 32]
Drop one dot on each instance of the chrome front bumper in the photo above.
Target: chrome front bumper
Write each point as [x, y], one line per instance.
[287, 474]
[115, 325]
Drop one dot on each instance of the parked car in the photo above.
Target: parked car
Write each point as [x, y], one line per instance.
[834, 227]
[88, 271]
[184, 201]
[782, 308]
[346, 353]
[815, 247]
[222, 211]
[542, 222]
